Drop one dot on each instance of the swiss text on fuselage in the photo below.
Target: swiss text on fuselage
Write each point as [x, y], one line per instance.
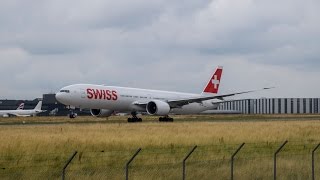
[102, 94]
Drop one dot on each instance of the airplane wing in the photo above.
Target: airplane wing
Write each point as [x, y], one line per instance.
[12, 114]
[181, 102]
[18, 115]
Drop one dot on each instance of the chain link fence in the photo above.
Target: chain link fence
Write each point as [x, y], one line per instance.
[253, 161]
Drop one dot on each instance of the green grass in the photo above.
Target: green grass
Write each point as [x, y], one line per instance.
[39, 147]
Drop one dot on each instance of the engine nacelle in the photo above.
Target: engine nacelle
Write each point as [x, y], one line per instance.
[101, 112]
[157, 107]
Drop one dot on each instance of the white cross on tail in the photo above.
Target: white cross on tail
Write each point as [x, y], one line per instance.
[215, 81]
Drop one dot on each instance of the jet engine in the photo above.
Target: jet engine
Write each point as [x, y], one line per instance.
[157, 107]
[101, 112]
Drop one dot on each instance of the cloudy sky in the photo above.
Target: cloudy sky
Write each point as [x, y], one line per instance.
[160, 44]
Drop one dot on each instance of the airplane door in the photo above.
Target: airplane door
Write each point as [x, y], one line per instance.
[83, 93]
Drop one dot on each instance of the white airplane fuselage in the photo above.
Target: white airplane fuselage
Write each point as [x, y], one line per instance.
[122, 99]
[19, 112]
[22, 112]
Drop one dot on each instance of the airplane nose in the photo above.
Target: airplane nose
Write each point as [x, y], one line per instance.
[59, 97]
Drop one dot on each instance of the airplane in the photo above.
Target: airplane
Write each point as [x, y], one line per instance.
[103, 100]
[20, 112]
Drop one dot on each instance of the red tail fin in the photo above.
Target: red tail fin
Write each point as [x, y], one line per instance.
[214, 82]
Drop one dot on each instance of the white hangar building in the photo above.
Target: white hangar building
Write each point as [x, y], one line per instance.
[273, 106]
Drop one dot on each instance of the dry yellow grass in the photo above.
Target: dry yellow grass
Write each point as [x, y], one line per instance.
[66, 137]
[22, 140]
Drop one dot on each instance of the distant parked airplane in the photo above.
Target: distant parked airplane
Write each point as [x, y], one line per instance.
[105, 100]
[21, 112]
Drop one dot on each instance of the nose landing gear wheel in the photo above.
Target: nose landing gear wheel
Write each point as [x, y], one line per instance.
[72, 115]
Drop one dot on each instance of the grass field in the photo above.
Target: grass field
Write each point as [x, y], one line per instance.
[37, 148]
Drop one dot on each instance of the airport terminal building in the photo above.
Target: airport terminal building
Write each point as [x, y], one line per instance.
[244, 106]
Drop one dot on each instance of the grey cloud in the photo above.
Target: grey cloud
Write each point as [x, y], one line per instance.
[170, 45]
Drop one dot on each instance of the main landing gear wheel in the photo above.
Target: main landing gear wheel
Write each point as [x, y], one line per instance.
[134, 118]
[165, 119]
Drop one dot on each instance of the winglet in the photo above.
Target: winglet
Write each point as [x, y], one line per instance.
[214, 82]
[268, 88]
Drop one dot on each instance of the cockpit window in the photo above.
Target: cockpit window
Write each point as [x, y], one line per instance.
[66, 91]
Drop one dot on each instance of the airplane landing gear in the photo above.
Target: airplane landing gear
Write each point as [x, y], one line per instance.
[134, 118]
[165, 119]
[72, 115]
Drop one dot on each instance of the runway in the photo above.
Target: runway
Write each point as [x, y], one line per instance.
[25, 121]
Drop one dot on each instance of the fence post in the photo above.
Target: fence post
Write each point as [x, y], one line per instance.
[232, 158]
[67, 164]
[275, 160]
[314, 150]
[130, 160]
[184, 163]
